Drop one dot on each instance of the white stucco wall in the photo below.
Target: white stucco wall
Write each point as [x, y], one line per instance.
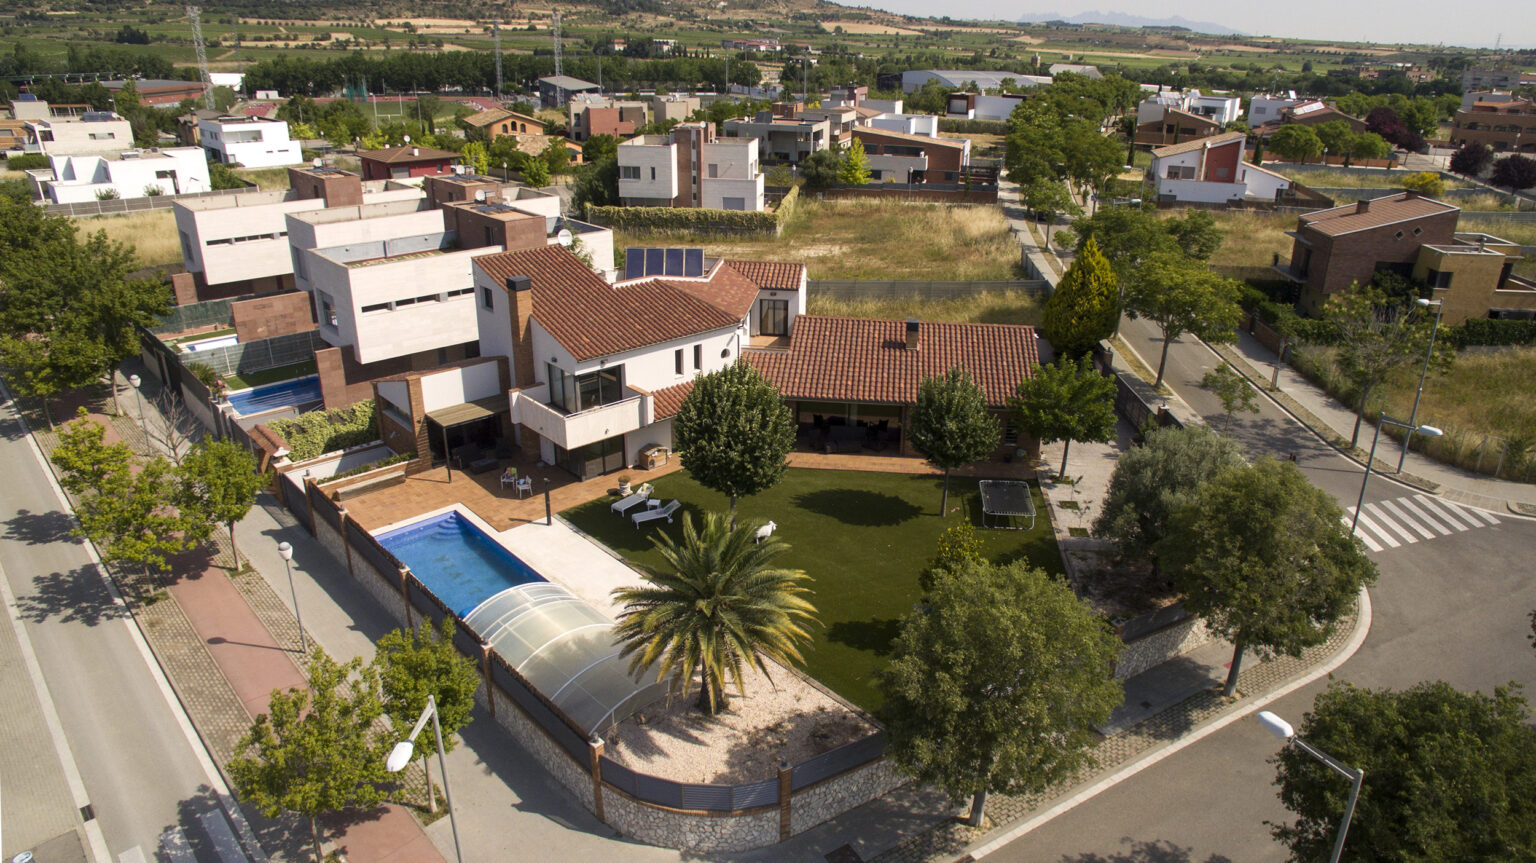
[237, 217]
[388, 333]
[77, 137]
[79, 179]
[457, 386]
[657, 164]
[1197, 191]
[494, 325]
[397, 393]
[254, 144]
[995, 107]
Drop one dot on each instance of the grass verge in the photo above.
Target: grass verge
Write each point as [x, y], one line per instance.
[270, 376]
[862, 537]
[151, 233]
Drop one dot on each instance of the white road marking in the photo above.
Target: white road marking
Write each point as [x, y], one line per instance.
[1371, 544]
[1430, 520]
[1391, 506]
[1365, 521]
[1381, 515]
[1437, 507]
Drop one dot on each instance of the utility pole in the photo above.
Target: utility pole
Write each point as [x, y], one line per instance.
[202, 53]
[496, 37]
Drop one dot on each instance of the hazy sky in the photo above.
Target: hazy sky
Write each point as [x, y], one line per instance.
[1475, 23]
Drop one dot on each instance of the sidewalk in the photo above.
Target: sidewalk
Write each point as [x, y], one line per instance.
[231, 644]
[1333, 422]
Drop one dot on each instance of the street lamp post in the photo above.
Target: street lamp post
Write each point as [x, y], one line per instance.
[401, 756]
[1383, 419]
[1428, 352]
[285, 551]
[1283, 730]
[135, 381]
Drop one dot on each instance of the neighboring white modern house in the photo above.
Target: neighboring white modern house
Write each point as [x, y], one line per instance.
[980, 106]
[1218, 109]
[599, 370]
[1075, 69]
[1211, 171]
[1264, 107]
[131, 174]
[955, 78]
[781, 139]
[250, 141]
[926, 125]
[95, 132]
[691, 168]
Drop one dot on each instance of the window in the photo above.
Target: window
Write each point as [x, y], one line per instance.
[186, 245]
[677, 360]
[733, 203]
[653, 174]
[714, 170]
[629, 172]
[1259, 109]
[1438, 279]
[573, 393]
[1223, 173]
[487, 299]
[1181, 172]
[698, 357]
[490, 238]
[376, 307]
[327, 310]
[773, 317]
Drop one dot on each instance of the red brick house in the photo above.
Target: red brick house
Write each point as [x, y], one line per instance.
[398, 163]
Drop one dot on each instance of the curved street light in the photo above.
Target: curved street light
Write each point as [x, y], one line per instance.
[1423, 373]
[1383, 419]
[285, 551]
[1283, 730]
[401, 756]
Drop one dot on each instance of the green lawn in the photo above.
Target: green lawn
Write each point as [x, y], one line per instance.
[862, 537]
[270, 376]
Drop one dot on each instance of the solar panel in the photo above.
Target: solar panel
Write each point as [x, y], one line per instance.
[693, 262]
[634, 263]
[655, 262]
[674, 262]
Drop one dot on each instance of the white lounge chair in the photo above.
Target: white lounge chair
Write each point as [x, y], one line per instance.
[658, 513]
[630, 501]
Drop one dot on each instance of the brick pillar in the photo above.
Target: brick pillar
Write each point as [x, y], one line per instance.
[419, 420]
[333, 377]
[520, 308]
[784, 800]
[490, 685]
[344, 542]
[405, 595]
[595, 762]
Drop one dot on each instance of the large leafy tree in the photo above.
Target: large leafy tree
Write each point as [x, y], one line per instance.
[1092, 159]
[855, 167]
[997, 683]
[1448, 775]
[318, 749]
[1181, 295]
[1047, 199]
[1266, 559]
[821, 168]
[950, 424]
[1129, 237]
[219, 483]
[1155, 480]
[1373, 337]
[1471, 159]
[1337, 137]
[717, 607]
[1515, 171]
[1296, 142]
[734, 432]
[413, 664]
[1084, 309]
[1067, 401]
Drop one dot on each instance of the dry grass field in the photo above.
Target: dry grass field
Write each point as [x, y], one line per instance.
[988, 307]
[874, 240]
[1251, 239]
[152, 234]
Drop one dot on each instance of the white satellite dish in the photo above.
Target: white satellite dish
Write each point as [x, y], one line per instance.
[565, 237]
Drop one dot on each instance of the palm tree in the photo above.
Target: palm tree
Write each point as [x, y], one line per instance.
[719, 604]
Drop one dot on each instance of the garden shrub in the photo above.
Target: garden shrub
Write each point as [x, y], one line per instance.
[318, 432]
[26, 161]
[1490, 331]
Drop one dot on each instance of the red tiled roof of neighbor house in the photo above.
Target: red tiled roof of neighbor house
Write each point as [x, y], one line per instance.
[591, 318]
[667, 402]
[926, 141]
[770, 275]
[408, 153]
[1198, 144]
[865, 360]
[725, 289]
[1381, 211]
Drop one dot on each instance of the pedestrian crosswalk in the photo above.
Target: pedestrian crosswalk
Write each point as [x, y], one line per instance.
[1409, 519]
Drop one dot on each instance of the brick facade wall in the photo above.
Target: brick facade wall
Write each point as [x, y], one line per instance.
[273, 315]
[1339, 261]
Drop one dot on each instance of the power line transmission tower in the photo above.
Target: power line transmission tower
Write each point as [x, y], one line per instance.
[559, 97]
[202, 53]
[496, 36]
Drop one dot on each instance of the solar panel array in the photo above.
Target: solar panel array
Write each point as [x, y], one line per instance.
[641, 262]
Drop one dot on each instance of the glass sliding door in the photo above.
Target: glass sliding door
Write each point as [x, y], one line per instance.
[594, 459]
[773, 317]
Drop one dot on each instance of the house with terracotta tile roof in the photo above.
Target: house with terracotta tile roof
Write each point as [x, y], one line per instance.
[401, 163]
[1415, 237]
[598, 370]
[1211, 171]
[1174, 126]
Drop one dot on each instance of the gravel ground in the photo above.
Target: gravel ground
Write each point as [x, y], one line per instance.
[744, 743]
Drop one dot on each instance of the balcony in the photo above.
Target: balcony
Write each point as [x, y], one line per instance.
[572, 430]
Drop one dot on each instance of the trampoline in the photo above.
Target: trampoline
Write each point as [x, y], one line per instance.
[1003, 502]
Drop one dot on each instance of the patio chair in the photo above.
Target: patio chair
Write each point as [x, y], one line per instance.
[623, 505]
[508, 477]
[658, 513]
[523, 486]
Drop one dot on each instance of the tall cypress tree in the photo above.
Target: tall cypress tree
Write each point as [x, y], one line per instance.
[1085, 307]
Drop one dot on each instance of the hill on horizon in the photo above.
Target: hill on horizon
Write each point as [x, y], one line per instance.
[1122, 19]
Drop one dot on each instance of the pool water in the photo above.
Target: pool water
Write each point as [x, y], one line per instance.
[279, 395]
[457, 561]
[210, 344]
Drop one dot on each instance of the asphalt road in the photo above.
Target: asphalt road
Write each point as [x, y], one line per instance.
[1453, 607]
[140, 772]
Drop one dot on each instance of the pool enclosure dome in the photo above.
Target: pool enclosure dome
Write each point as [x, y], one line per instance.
[564, 647]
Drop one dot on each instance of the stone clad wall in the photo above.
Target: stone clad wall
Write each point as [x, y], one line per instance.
[1160, 646]
[827, 800]
[547, 752]
[690, 831]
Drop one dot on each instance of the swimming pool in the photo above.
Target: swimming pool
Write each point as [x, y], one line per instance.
[210, 344]
[279, 395]
[457, 561]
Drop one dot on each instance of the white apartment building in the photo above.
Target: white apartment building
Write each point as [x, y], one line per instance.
[1218, 109]
[1265, 108]
[130, 174]
[691, 168]
[93, 132]
[781, 139]
[250, 141]
[926, 125]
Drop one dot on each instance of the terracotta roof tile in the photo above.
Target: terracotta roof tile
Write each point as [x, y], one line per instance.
[771, 275]
[401, 155]
[1381, 211]
[1197, 144]
[872, 132]
[591, 318]
[670, 400]
[866, 360]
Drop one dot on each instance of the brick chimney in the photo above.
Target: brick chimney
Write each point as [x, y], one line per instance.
[912, 341]
[1363, 205]
[520, 296]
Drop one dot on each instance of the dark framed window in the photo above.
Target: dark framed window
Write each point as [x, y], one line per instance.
[698, 357]
[487, 299]
[677, 360]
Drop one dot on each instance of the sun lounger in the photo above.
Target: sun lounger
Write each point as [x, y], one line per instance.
[630, 501]
[654, 514]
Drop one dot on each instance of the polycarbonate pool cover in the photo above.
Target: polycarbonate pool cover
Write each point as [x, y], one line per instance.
[565, 648]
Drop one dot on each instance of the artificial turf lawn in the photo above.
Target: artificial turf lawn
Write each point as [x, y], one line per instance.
[862, 537]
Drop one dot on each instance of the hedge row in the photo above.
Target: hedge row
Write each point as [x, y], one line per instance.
[687, 219]
[26, 161]
[974, 127]
[1490, 331]
[319, 432]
